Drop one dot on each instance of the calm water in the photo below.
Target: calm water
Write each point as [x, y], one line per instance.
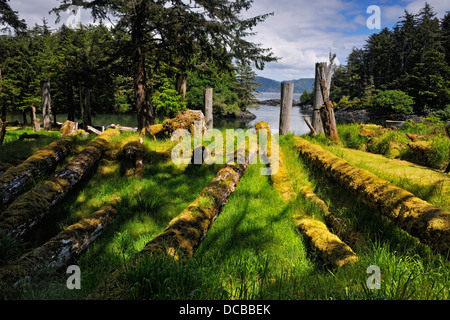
[268, 114]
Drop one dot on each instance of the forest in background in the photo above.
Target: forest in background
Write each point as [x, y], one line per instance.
[404, 70]
[136, 65]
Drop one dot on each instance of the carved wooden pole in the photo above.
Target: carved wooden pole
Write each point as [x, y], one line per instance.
[209, 108]
[46, 104]
[287, 95]
[327, 110]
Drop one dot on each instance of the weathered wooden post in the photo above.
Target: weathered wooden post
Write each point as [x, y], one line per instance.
[209, 108]
[2, 124]
[2, 115]
[317, 103]
[327, 110]
[287, 96]
[182, 84]
[85, 106]
[34, 120]
[46, 104]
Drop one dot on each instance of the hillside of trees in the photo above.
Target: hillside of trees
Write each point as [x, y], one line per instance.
[135, 66]
[269, 85]
[404, 70]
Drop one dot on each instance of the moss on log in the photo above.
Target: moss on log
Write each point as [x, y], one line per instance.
[330, 248]
[19, 179]
[186, 120]
[430, 224]
[22, 216]
[59, 251]
[186, 232]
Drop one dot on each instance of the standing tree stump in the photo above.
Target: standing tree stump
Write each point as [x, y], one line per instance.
[209, 108]
[327, 110]
[46, 105]
[287, 95]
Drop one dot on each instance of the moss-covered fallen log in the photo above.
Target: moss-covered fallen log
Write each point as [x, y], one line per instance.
[184, 233]
[59, 251]
[279, 175]
[331, 249]
[430, 224]
[17, 180]
[22, 216]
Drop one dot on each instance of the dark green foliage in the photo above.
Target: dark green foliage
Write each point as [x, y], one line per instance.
[412, 57]
[395, 101]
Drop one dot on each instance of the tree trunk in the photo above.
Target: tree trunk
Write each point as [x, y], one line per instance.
[85, 106]
[318, 97]
[143, 106]
[209, 108]
[46, 105]
[2, 115]
[3, 124]
[71, 102]
[327, 110]
[182, 85]
[24, 117]
[287, 95]
[21, 218]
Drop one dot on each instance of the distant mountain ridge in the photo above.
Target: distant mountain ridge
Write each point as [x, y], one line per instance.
[270, 85]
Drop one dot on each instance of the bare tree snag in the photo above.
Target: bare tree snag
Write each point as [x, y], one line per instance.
[19, 179]
[327, 110]
[59, 251]
[27, 211]
[46, 105]
[209, 115]
[287, 95]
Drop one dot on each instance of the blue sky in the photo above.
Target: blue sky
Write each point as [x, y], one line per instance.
[301, 32]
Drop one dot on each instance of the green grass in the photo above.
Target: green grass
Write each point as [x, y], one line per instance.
[13, 151]
[394, 143]
[252, 251]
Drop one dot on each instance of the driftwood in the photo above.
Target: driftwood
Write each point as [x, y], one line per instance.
[313, 131]
[59, 251]
[92, 129]
[19, 179]
[24, 214]
[430, 224]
